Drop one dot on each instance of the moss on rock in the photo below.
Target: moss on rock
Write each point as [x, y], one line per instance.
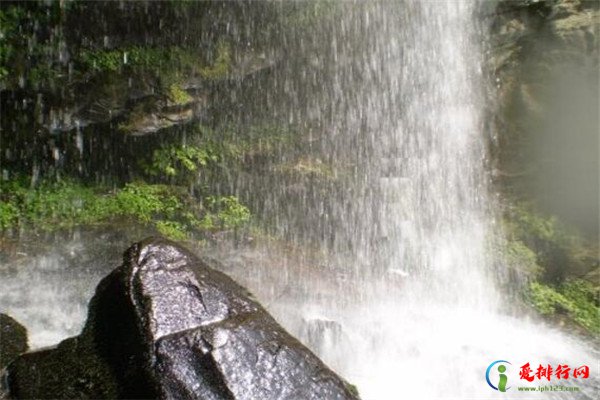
[171, 210]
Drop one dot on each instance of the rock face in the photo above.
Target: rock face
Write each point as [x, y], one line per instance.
[545, 63]
[164, 325]
[13, 340]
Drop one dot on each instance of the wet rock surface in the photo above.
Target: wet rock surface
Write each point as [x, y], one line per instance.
[544, 60]
[165, 325]
[13, 339]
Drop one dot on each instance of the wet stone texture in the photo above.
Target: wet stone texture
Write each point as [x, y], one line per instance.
[164, 325]
[13, 339]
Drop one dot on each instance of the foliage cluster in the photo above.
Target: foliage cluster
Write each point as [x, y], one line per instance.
[225, 211]
[552, 258]
[213, 149]
[178, 95]
[221, 65]
[557, 249]
[169, 209]
[182, 162]
[574, 298]
[535, 228]
[9, 28]
[34, 52]
[518, 257]
[30, 40]
[167, 67]
[163, 61]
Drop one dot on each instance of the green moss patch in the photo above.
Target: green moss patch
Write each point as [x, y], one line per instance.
[559, 252]
[169, 209]
[574, 299]
[553, 259]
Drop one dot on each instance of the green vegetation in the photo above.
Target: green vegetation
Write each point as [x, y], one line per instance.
[553, 260]
[224, 211]
[25, 52]
[558, 251]
[163, 61]
[9, 215]
[138, 58]
[169, 66]
[33, 49]
[169, 209]
[547, 300]
[172, 229]
[309, 168]
[181, 162]
[519, 258]
[352, 389]
[10, 19]
[575, 299]
[51, 205]
[145, 202]
[536, 228]
[106, 61]
[215, 149]
[221, 65]
[179, 96]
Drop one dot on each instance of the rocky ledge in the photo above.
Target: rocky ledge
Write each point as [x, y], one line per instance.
[165, 325]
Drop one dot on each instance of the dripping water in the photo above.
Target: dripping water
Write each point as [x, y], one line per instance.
[420, 316]
[393, 97]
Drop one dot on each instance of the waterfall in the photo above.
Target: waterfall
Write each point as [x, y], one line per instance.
[386, 271]
[426, 164]
[402, 104]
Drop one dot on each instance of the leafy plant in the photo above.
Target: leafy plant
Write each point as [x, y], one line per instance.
[177, 95]
[548, 300]
[169, 209]
[9, 215]
[519, 258]
[181, 162]
[574, 298]
[172, 229]
[211, 150]
[168, 64]
[224, 212]
[220, 68]
[558, 251]
[132, 58]
[586, 311]
[57, 204]
[102, 61]
[144, 201]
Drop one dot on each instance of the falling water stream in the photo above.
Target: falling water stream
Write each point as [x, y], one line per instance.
[428, 318]
[418, 314]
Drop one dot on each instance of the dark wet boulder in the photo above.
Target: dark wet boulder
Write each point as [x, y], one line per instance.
[13, 339]
[165, 325]
[72, 370]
